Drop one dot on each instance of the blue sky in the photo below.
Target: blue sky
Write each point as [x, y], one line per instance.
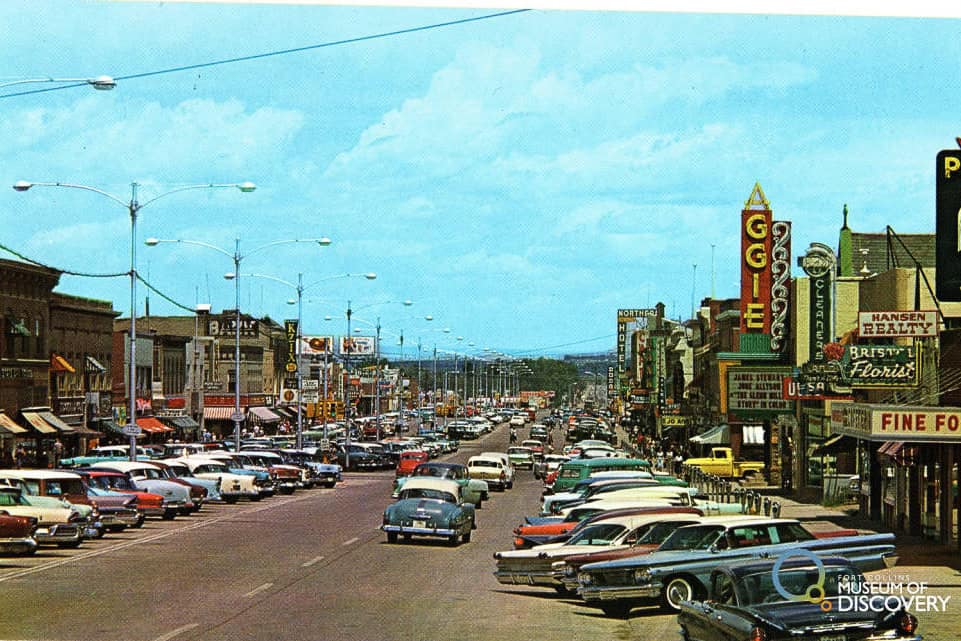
[518, 178]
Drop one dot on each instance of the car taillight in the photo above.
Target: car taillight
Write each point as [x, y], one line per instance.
[503, 476]
[907, 623]
[518, 542]
[757, 634]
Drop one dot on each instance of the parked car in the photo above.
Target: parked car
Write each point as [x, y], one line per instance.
[16, 534]
[233, 487]
[59, 526]
[58, 488]
[430, 507]
[176, 497]
[679, 570]
[721, 463]
[354, 457]
[741, 602]
[528, 535]
[148, 503]
[326, 474]
[475, 491]
[548, 464]
[535, 566]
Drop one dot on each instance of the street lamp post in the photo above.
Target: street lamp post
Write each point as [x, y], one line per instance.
[133, 207]
[301, 288]
[238, 416]
[100, 83]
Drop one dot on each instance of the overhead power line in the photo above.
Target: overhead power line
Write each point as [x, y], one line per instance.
[281, 52]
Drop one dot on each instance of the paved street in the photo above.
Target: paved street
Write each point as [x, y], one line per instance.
[310, 566]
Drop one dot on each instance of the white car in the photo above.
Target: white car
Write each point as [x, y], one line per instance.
[176, 497]
[498, 474]
[233, 487]
[518, 420]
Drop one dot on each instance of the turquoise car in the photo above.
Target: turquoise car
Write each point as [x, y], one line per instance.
[474, 491]
[430, 507]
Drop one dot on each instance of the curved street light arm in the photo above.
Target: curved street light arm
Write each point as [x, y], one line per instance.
[198, 243]
[23, 186]
[284, 242]
[241, 186]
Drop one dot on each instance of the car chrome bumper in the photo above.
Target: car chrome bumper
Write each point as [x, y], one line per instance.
[59, 533]
[18, 545]
[424, 531]
[526, 578]
[128, 518]
[610, 593]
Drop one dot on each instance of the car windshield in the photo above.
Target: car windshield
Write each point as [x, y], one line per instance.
[426, 493]
[600, 534]
[659, 533]
[11, 498]
[208, 468]
[760, 588]
[692, 538]
[493, 464]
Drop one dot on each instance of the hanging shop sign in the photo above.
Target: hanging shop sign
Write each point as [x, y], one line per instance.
[290, 330]
[868, 366]
[757, 390]
[780, 284]
[673, 421]
[624, 318]
[900, 423]
[916, 324]
[948, 226]
[794, 389]
[611, 382]
[756, 264]
[818, 263]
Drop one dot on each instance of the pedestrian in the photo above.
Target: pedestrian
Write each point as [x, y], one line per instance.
[513, 435]
[19, 456]
[659, 460]
[57, 452]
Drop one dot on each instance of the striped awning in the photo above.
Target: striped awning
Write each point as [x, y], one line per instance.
[182, 422]
[56, 421]
[8, 425]
[151, 424]
[37, 422]
[264, 415]
[218, 413]
[59, 364]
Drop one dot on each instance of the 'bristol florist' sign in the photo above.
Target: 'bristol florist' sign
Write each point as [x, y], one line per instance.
[882, 365]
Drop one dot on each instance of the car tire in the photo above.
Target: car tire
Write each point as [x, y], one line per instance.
[677, 589]
[71, 544]
[256, 497]
[169, 515]
[562, 590]
[479, 504]
[392, 537]
[330, 484]
[465, 538]
[510, 485]
[408, 538]
[230, 500]
[452, 540]
[617, 609]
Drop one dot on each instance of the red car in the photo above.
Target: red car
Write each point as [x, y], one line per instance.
[526, 536]
[147, 502]
[409, 461]
[16, 534]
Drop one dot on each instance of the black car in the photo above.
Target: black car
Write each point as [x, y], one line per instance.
[360, 458]
[747, 601]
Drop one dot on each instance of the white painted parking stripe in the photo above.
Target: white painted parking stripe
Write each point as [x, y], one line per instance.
[348, 542]
[178, 631]
[316, 559]
[257, 590]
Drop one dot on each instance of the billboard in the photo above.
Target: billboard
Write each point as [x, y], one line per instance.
[917, 324]
[756, 264]
[316, 345]
[357, 345]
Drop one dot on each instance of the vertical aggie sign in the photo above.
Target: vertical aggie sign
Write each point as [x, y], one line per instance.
[756, 264]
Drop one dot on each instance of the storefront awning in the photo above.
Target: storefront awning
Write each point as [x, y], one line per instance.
[93, 365]
[151, 424]
[109, 425]
[59, 364]
[57, 422]
[285, 412]
[264, 415]
[37, 422]
[8, 425]
[218, 413]
[182, 422]
[720, 435]
[835, 444]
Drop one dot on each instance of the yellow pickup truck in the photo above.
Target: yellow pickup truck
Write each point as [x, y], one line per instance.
[721, 463]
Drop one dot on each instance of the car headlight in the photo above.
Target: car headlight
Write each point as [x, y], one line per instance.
[642, 575]
[585, 578]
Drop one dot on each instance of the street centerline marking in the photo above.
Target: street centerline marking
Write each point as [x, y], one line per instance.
[349, 541]
[257, 590]
[316, 559]
[178, 631]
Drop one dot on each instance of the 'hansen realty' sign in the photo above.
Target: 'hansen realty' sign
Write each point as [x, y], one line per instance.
[920, 324]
